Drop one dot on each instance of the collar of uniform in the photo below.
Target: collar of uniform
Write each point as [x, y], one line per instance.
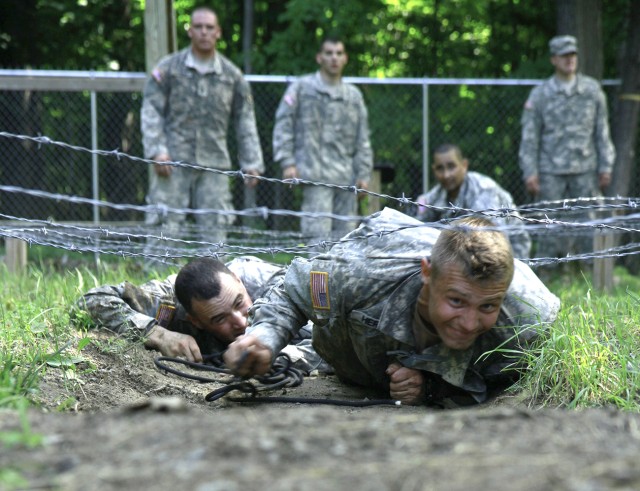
[214, 65]
[396, 320]
[578, 87]
[333, 91]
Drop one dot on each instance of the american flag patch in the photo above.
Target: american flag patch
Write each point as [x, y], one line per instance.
[157, 74]
[165, 314]
[320, 290]
[289, 99]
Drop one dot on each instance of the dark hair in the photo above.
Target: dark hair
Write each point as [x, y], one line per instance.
[447, 147]
[199, 280]
[333, 39]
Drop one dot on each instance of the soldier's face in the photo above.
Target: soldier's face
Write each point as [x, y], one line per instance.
[450, 170]
[225, 315]
[204, 32]
[332, 59]
[459, 309]
[565, 65]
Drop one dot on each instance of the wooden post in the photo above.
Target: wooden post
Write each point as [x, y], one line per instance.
[15, 254]
[603, 240]
[374, 186]
[159, 31]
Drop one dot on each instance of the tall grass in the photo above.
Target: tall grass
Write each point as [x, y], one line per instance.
[590, 357]
[591, 354]
[36, 327]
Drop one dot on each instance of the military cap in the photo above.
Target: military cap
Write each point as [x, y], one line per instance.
[562, 45]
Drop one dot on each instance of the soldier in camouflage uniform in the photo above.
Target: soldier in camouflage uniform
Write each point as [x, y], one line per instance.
[321, 134]
[190, 100]
[175, 317]
[400, 306]
[566, 150]
[470, 190]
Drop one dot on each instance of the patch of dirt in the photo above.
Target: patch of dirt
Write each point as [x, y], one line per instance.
[129, 425]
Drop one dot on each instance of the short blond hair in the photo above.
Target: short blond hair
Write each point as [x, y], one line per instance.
[485, 255]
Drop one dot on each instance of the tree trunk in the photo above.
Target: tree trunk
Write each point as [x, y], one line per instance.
[626, 109]
[583, 19]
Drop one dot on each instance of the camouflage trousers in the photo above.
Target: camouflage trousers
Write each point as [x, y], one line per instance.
[566, 240]
[319, 199]
[194, 189]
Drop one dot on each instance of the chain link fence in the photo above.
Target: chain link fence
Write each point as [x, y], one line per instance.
[407, 118]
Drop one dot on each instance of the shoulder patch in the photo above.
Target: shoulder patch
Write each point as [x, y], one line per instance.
[320, 290]
[289, 99]
[157, 75]
[165, 314]
[528, 104]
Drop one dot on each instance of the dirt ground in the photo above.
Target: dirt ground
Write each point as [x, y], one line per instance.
[129, 425]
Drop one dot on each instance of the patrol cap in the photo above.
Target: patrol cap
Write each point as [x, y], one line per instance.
[562, 45]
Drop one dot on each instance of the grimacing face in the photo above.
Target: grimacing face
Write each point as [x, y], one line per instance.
[225, 315]
[460, 309]
[450, 170]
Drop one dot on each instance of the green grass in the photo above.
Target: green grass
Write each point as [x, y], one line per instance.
[590, 357]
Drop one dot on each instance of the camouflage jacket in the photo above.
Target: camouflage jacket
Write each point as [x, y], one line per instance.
[365, 290]
[478, 192]
[134, 310]
[187, 114]
[324, 132]
[566, 133]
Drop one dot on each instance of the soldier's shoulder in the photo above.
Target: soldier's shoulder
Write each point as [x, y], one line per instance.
[481, 181]
[229, 67]
[589, 84]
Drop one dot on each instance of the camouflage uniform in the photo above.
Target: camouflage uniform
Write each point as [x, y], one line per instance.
[133, 311]
[186, 114]
[361, 297]
[566, 142]
[478, 192]
[324, 131]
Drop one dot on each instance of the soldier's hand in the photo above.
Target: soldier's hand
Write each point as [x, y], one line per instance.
[250, 182]
[173, 344]
[290, 172]
[364, 185]
[247, 356]
[160, 169]
[406, 384]
[532, 183]
[604, 180]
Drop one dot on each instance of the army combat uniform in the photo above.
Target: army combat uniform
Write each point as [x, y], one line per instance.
[133, 311]
[361, 297]
[478, 192]
[323, 130]
[566, 143]
[186, 113]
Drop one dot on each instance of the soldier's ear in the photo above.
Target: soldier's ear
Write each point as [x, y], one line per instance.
[425, 266]
[195, 322]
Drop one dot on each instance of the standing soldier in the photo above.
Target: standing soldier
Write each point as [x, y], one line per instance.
[190, 100]
[321, 134]
[566, 150]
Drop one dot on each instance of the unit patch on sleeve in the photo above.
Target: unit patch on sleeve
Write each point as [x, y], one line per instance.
[320, 290]
[165, 314]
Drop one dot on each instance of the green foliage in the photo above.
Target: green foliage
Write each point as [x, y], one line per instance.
[590, 354]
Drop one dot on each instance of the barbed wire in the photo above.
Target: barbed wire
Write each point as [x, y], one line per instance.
[154, 242]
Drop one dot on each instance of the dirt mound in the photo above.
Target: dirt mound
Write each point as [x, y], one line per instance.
[128, 425]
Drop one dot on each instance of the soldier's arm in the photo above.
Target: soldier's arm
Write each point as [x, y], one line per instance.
[249, 149]
[125, 308]
[363, 159]
[152, 116]
[284, 128]
[604, 145]
[529, 152]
